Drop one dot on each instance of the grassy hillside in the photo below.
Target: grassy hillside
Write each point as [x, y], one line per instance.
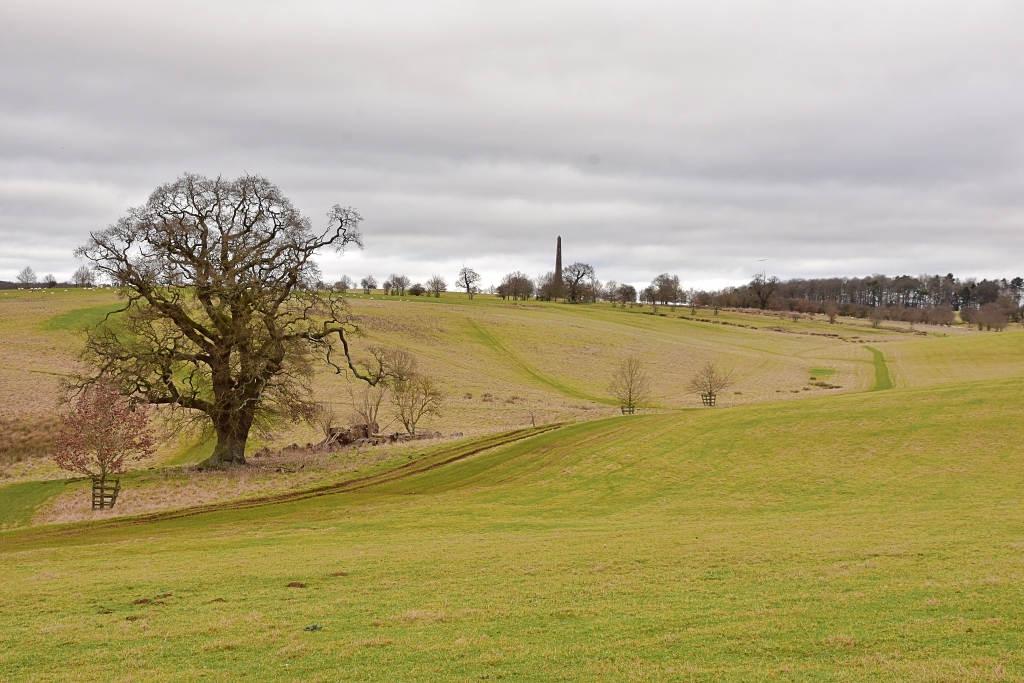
[865, 537]
[503, 364]
[853, 535]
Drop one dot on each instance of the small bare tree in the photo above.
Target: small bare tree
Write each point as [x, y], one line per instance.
[386, 368]
[84, 277]
[368, 283]
[415, 396]
[630, 385]
[27, 276]
[709, 381]
[325, 418]
[437, 284]
[366, 403]
[831, 310]
[344, 284]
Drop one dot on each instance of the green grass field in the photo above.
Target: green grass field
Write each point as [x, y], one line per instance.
[850, 535]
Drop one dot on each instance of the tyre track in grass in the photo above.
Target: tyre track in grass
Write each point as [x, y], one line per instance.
[443, 457]
[487, 339]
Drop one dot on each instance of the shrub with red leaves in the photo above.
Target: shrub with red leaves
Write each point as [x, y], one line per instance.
[101, 433]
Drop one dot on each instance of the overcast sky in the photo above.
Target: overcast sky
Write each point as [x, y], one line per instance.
[695, 138]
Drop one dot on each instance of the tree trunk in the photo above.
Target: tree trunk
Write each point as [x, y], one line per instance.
[231, 437]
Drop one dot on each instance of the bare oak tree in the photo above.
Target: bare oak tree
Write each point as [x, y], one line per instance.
[468, 280]
[630, 384]
[573, 279]
[368, 283]
[763, 287]
[220, 319]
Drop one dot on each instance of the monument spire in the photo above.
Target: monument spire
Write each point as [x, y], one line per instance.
[558, 268]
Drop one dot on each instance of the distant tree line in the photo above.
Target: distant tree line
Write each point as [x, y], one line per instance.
[925, 298]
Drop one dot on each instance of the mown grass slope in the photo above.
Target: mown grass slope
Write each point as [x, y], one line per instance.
[861, 537]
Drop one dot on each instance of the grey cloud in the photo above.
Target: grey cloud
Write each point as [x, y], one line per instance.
[690, 137]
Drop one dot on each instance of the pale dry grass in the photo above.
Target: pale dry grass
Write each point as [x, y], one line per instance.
[33, 360]
[172, 488]
[506, 365]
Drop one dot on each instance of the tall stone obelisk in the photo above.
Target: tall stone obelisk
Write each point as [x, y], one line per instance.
[558, 269]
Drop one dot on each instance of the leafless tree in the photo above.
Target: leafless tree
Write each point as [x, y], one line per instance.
[325, 418]
[366, 402]
[626, 294]
[84, 277]
[468, 280]
[415, 396]
[709, 381]
[344, 284]
[216, 322]
[649, 295]
[368, 283]
[573, 279]
[942, 315]
[385, 367]
[630, 384]
[609, 291]
[27, 276]
[396, 285]
[912, 315]
[992, 316]
[832, 311]
[547, 287]
[666, 288]
[877, 315]
[763, 287]
[515, 286]
[437, 284]
[50, 280]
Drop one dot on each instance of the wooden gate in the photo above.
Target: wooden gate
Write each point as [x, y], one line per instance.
[104, 493]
